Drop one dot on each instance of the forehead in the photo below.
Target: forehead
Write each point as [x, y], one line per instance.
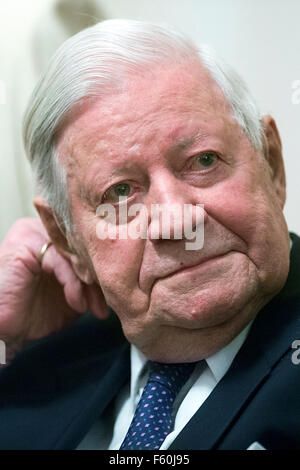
[162, 106]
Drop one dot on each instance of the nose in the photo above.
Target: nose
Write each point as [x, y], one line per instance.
[175, 211]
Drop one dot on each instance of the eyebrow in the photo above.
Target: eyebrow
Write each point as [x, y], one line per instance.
[186, 142]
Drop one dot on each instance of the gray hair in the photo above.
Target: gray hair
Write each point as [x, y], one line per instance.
[91, 63]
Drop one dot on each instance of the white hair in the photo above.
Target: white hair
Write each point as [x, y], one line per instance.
[93, 63]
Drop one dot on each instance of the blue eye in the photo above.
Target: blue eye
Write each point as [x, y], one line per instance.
[206, 159]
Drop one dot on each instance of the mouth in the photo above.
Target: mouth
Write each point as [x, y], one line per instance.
[205, 263]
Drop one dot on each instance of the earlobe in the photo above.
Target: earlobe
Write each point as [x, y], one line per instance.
[273, 155]
[61, 240]
[81, 269]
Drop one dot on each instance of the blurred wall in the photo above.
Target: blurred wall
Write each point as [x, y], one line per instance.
[30, 32]
[260, 38]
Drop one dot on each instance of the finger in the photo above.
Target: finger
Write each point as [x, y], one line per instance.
[28, 254]
[26, 231]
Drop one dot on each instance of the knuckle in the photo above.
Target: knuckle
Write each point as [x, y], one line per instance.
[21, 254]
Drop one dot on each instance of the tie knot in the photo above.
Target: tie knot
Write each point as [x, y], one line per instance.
[172, 376]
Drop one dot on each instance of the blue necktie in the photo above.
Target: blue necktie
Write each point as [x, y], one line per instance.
[154, 419]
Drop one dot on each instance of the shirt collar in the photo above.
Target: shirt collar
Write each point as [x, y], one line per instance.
[218, 363]
[138, 365]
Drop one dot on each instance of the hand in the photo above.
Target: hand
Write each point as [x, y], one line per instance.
[37, 298]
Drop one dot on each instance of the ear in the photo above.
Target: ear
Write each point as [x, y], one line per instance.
[273, 155]
[63, 241]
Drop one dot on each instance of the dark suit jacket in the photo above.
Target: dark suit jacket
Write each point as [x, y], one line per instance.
[55, 390]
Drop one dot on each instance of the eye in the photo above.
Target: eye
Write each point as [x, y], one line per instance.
[121, 190]
[204, 160]
[117, 191]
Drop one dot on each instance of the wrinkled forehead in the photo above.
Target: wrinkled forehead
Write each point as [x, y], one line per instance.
[152, 101]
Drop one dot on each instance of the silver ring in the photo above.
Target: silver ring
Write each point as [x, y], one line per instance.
[44, 249]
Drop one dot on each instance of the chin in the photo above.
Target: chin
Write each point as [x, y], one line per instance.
[205, 308]
[177, 345]
[183, 340]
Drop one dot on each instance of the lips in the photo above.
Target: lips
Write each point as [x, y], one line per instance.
[168, 258]
[169, 267]
[194, 265]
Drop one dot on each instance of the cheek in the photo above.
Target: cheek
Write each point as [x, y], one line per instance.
[243, 207]
[111, 257]
[252, 212]
[117, 267]
[115, 263]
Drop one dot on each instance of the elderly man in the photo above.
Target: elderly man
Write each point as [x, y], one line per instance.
[132, 113]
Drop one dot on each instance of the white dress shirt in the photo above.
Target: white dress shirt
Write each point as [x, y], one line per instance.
[109, 432]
